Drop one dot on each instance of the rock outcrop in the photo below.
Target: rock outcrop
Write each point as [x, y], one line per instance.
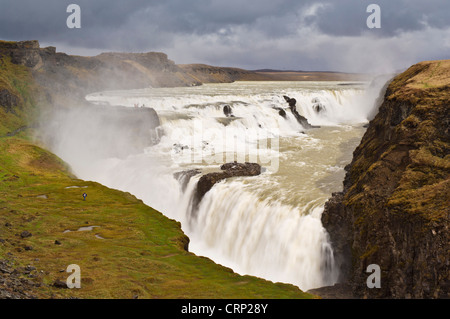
[394, 208]
[80, 76]
[25, 53]
[228, 111]
[8, 100]
[63, 82]
[13, 284]
[300, 119]
[207, 181]
[185, 176]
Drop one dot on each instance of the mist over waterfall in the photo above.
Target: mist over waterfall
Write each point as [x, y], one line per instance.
[268, 225]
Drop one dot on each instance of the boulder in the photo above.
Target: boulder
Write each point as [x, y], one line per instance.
[25, 234]
[228, 111]
[207, 181]
[318, 107]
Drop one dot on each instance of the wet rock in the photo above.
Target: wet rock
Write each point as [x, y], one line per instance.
[318, 107]
[178, 148]
[239, 169]
[281, 112]
[185, 176]
[228, 111]
[300, 119]
[207, 181]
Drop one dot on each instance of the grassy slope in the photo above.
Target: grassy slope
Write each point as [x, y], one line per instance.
[17, 81]
[142, 251]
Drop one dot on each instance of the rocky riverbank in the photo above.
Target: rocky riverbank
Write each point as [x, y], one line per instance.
[393, 210]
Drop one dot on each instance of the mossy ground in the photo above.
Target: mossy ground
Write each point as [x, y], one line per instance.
[134, 251]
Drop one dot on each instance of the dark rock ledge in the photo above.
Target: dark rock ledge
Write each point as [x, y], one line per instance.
[207, 181]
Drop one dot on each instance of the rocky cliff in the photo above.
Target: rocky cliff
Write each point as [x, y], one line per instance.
[394, 208]
[108, 71]
[61, 82]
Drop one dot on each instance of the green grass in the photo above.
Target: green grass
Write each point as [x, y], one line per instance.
[142, 250]
[18, 81]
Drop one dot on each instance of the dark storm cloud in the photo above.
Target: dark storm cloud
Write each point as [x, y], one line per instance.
[344, 17]
[252, 33]
[45, 19]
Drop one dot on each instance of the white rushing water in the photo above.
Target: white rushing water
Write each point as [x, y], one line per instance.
[268, 225]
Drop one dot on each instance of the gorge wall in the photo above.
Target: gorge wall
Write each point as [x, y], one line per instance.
[394, 208]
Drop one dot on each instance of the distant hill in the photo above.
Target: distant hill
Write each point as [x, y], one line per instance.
[212, 74]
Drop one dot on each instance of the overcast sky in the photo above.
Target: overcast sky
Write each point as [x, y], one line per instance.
[252, 34]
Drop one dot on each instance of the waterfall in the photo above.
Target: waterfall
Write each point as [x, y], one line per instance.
[268, 225]
[263, 237]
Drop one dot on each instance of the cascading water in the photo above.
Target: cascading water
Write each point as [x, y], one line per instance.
[263, 237]
[268, 225]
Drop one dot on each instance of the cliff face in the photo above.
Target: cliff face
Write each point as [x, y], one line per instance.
[24, 53]
[72, 77]
[17, 90]
[108, 71]
[60, 83]
[394, 208]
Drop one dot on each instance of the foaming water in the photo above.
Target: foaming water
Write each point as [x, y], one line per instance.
[263, 237]
[269, 225]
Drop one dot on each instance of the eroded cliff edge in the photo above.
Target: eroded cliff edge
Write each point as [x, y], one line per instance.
[394, 207]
